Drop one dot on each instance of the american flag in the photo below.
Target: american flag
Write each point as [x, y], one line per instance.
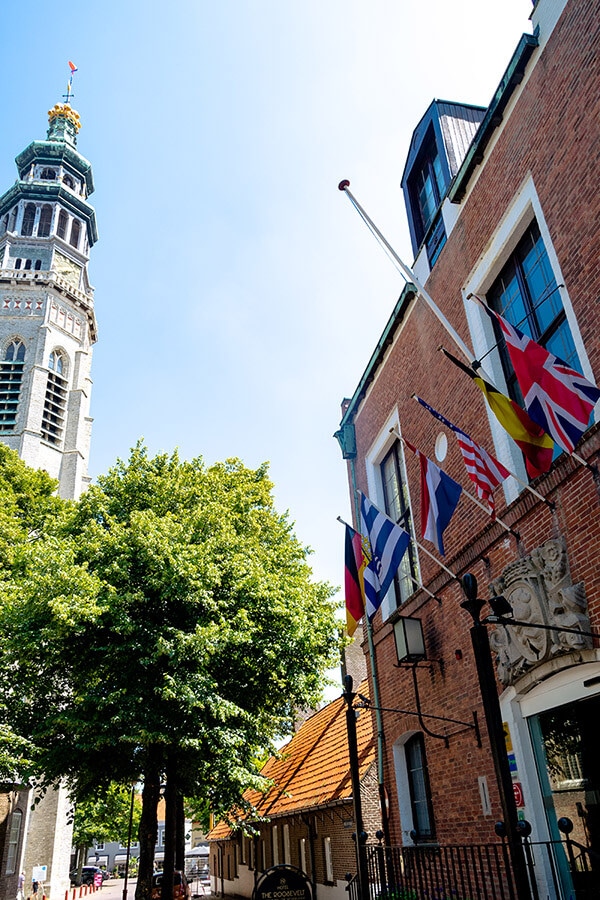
[484, 470]
[559, 399]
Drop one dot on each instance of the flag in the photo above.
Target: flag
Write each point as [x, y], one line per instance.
[559, 399]
[72, 67]
[388, 545]
[353, 579]
[439, 498]
[483, 469]
[534, 443]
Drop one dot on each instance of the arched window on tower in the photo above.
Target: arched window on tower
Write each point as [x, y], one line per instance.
[63, 221]
[28, 220]
[11, 380]
[68, 181]
[75, 233]
[45, 221]
[12, 219]
[48, 175]
[4, 224]
[53, 416]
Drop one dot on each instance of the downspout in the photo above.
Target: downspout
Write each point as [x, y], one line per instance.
[346, 437]
[311, 849]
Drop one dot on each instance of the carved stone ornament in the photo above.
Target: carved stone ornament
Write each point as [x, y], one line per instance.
[540, 591]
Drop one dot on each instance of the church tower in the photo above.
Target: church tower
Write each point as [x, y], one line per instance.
[47, 321]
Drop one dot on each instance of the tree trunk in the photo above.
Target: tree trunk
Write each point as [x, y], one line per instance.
[147, 834]
[180, 834]
[170, 830]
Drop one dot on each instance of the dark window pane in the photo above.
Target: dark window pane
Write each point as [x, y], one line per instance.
[28, 219]
[418, 781]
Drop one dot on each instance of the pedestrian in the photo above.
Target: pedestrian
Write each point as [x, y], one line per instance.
[21, 887]
[97, 880]
[34, 886]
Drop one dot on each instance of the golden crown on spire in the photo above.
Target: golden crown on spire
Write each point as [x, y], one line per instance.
[67, 112]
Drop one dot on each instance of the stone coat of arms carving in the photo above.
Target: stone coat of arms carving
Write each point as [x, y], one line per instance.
[540, 591]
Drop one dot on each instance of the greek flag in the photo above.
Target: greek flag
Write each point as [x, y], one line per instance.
[388, 543]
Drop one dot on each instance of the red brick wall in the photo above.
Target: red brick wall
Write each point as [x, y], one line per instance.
[553, 134]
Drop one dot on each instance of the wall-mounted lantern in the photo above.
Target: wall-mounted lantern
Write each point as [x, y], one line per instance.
[410, 643]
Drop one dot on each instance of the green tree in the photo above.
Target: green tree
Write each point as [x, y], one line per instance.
[173, 627]
[106, 817]
[28, 503]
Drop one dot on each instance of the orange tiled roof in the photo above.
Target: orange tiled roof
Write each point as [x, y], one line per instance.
[313, 769]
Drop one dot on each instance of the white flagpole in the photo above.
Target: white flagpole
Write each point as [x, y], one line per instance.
[344, 186]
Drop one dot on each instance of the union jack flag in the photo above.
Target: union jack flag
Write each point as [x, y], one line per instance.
[483, 469]
[559, 399]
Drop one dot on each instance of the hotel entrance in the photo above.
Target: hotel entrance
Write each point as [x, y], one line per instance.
[567, 744]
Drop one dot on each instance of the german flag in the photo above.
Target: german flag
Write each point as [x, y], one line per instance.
[353, 580]
[535, 444]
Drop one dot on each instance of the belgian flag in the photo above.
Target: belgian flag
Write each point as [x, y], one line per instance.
[535, 444]
[355, 562]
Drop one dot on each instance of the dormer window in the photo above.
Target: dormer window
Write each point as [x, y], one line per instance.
[430, 187]
[48, 175]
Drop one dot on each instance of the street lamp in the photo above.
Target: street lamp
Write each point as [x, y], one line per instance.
[360, 834]
[129, 841]
[493, 717]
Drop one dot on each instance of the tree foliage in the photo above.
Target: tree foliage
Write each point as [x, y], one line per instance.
[28, 503]
[167, 622]
[106, 817]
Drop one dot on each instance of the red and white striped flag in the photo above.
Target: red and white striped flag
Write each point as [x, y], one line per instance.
[484, 470]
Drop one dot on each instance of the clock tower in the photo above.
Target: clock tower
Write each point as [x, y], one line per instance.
[47, 321]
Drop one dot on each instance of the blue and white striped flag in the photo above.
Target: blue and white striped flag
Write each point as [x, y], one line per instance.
[388, 545]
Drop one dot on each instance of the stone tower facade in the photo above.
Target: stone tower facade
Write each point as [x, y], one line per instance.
[47, 321]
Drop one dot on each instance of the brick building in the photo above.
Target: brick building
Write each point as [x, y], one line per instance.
[306, 819]
[501, 203]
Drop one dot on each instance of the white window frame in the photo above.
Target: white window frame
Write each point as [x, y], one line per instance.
[524, 208]
[13, 841]
[383, 443]
[287, 857]
[302, 853]
[403, 786]
[328, 859]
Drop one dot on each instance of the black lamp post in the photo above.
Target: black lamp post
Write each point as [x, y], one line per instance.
[360, 835]
[129, 842]
[493, 718]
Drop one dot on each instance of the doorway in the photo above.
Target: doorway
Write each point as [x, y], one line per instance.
[567, 742]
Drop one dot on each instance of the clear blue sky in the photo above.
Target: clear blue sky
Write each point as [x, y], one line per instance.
[238, 295]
